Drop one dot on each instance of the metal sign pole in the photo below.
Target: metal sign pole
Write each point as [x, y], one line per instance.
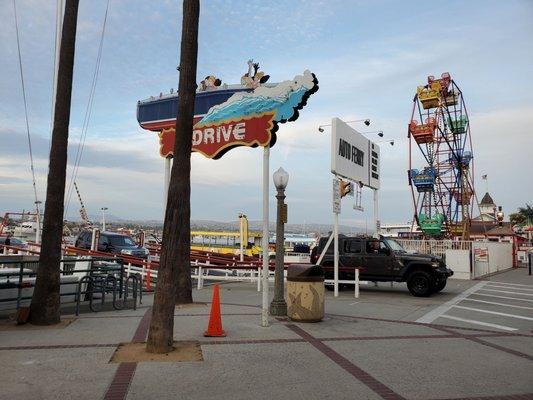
[168, 166]
[376, 212]
[336, 212]
[266, 174]
[336, 254]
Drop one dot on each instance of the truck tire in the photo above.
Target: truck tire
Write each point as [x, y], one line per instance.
[420, 283]
[440, 285]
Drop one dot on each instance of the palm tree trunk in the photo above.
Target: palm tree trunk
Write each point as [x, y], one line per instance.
[44, 309]
[173, 276]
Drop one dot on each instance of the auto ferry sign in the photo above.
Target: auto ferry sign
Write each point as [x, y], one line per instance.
[245, 117]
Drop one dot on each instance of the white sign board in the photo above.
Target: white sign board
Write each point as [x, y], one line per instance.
[353, 156]
[336, 196]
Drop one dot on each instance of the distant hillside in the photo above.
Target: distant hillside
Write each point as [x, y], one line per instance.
[212, 225]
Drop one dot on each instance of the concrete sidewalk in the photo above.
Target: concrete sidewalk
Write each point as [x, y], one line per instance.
[368, 348]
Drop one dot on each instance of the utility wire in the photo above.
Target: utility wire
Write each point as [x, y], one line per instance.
[25, 109]
[88, 112]
[58, 34]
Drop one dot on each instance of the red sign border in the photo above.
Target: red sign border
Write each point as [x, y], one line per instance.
[271, 129]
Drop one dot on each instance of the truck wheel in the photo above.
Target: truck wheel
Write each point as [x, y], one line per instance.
[420, 283]
[440, 285]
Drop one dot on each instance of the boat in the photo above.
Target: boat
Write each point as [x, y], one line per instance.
[158, 113]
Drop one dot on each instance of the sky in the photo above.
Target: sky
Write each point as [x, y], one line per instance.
[368, 56]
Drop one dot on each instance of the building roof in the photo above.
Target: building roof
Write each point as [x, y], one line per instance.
[480, 228]
[487, 200]
[504, 230]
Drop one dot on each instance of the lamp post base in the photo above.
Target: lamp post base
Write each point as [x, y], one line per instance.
[278, 308]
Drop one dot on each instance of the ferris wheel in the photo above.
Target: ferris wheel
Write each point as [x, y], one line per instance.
[441, 180]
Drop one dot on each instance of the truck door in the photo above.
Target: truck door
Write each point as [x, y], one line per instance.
[377, 262]
[350, 257]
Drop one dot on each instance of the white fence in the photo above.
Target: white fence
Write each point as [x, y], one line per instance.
[484, 259]
[435, 247]
[204, 271]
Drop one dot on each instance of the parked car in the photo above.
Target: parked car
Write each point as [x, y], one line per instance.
[384, 260]
[112, 242]
[21, 244]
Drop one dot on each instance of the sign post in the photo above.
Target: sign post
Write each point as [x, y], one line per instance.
[376, 212]
[168, 167]
[336, 212]
[264, 309]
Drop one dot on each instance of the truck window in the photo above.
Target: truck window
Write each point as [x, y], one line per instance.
[352, 246]
[372, 246]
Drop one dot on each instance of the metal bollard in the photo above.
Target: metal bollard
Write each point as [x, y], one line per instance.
[530, 256]
[357, 283]
[200, 284]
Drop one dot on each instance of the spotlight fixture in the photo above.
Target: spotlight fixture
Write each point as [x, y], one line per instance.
[365, 121]
[391, 142]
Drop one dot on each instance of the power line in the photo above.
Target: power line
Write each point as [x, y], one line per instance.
[88, 112]
[25, 109]
[58, 34]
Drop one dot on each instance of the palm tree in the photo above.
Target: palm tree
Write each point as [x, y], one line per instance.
[44, 308]
[524, 216]
[174, 276]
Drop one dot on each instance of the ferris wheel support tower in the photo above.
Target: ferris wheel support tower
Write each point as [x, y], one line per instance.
[443, 186]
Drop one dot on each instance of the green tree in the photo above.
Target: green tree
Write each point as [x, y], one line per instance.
[524, 216]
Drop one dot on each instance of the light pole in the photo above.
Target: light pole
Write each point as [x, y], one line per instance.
[103, 218]
[278, 307]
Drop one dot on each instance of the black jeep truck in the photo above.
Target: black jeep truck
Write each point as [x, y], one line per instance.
[384, 260]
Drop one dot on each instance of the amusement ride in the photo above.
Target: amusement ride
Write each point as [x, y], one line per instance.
[442, 188]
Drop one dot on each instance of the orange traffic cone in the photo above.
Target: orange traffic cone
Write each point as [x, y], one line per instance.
[214, 329]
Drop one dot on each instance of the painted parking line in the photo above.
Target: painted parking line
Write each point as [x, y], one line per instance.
[498, 304]
[509, 287]
[474, 322]
[494, 312]
[507, 283]
[505, 291]
[502, 297]
[438, 311]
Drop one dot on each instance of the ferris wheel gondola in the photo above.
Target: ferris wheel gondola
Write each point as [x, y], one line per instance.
[443, 186]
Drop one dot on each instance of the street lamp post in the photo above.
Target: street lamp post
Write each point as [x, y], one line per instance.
[278, 307]
[103, 218]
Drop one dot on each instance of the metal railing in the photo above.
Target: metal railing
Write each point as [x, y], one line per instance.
[90, 276]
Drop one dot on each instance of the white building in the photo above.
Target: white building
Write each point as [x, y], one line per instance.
[395, 230]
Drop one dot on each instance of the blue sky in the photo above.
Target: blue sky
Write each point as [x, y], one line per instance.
[369, 56]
